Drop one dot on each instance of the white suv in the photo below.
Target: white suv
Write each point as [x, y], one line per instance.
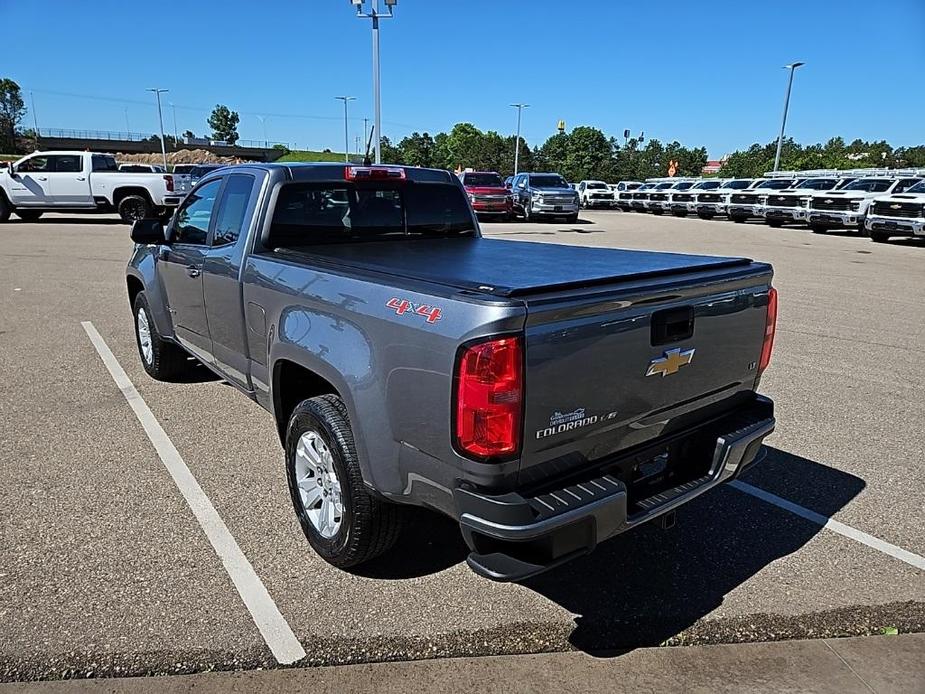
[901, 214]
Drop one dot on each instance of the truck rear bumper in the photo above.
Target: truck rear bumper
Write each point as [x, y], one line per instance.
[513, 537]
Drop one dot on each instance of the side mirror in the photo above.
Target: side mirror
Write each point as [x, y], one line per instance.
[148, 231]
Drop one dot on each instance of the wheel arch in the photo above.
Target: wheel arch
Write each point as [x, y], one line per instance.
[123, 192]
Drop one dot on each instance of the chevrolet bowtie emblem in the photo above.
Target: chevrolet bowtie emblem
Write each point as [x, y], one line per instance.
[670, 362]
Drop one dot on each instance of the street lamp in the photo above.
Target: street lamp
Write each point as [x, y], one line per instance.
[266, 140]
[176, 140]
[780, 140]
[160, 118]
[345, 99]
[520, 108]
[375, 16]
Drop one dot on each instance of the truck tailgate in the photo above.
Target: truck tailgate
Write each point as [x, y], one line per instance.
[608, 371]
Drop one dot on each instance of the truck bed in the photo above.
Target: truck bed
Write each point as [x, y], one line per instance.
[510, 268]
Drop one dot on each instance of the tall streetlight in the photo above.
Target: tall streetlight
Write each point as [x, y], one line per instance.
[266, 140]
[780, 140]
[176, 139]
[345, 99]
[375, 16]
[160, 118]
[520, 108]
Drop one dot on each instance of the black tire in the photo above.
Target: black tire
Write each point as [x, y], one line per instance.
[29, 215]
[167, 360]
[134, 207]
[704, 216]
[818, 228]
[879, 236]
[572, 218]
[863, 230]
[679, 214]
[5, 208]
[368, 526]
[737, 219]
[657, 211]
[775, 223]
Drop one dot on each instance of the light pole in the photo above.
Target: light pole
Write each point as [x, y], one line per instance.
[520, 108]
[375, 16]
[160, 119]
[128, 129]
[345, 99]
[35, 120]
[780, 140]
[266, 140]
[176, 139]
[365, 131]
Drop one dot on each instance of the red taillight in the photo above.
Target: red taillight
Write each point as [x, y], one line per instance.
[489, 397]
[369, 173]
[769, 329]
[169, 181]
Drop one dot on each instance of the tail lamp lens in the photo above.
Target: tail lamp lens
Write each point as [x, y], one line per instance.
[769, 330]
[168, 180]
[489, 398]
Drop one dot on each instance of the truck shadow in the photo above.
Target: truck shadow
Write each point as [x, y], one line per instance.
[648, 585]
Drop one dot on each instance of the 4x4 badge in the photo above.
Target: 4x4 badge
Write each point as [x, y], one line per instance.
[670, 362]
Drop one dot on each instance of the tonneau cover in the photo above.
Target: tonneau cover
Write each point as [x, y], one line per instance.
[511, 268]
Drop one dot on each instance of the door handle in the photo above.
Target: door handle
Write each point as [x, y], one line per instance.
[42, 178]
[81, 178]
[193, 271]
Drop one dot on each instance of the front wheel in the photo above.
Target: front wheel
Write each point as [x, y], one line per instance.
[29, 215]
[818, 228]
[163, 360]
[134, 207]
[737, 219]
[572, 218]
[5, 209]
[879, 236]
[342, 521]
[704, 215]
[775, 223]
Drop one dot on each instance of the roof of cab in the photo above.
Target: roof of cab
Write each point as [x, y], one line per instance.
[333, 171]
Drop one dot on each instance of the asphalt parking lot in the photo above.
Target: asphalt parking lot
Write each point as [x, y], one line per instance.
[104, 570]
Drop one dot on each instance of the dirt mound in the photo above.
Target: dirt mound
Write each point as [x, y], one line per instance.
[183, 156]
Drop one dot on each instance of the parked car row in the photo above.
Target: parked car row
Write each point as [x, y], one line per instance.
[531, 196]
[879, 203]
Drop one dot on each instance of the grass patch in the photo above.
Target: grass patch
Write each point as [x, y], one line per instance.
[311, 155]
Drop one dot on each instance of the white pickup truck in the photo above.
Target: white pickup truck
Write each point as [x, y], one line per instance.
[902, 214]
[85, 182]
[847, 207]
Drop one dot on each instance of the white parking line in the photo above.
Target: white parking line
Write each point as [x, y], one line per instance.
[266, 615]
[833, 525]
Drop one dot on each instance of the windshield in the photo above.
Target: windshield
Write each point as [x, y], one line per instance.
[684, 186]
[482, 180]
[597, 186]
[917, 188]
[870, 185]
[322, 213]
[663, 186]
[548, 182]
[777, 184]
[741, 184]
[819, 183]
[708, 185]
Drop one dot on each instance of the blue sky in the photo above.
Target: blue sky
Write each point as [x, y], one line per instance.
[704, 73]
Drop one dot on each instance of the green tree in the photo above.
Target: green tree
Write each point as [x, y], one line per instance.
[224, 124]
[389, 153]
[12, 110]
[188, 133]
[418, 150]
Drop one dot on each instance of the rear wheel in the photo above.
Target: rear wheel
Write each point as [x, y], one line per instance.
[134, 207]
[342, 521]
[163, 360]
[29, 215]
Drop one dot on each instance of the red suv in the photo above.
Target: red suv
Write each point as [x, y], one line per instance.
[487, 193]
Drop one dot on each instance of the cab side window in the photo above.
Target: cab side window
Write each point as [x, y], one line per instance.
[68, 163]
[36, 164]
[905, 184]
[194, 216]
[231, 209]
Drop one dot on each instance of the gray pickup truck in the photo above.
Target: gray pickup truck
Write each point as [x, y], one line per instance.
[545, 396]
